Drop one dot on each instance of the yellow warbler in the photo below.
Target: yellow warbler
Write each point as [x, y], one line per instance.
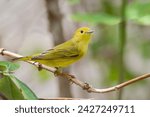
[66, 53]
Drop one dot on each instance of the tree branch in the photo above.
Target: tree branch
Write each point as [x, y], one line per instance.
[71, 78]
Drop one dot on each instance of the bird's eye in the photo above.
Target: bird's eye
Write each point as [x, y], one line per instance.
[81, 31]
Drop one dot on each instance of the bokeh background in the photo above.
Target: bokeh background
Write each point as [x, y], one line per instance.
[119, 51]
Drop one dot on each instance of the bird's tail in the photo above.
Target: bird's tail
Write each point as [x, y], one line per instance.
[27, 58]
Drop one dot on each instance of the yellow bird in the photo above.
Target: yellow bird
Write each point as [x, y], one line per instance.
[66, 53]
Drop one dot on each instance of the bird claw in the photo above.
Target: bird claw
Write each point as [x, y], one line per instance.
[40, 67]
[56, 73]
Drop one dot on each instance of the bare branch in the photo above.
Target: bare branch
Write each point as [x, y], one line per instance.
[72, 78]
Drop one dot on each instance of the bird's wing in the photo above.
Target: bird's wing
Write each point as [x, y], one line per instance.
[58, 53]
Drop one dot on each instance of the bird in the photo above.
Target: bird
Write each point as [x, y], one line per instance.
[64, 54]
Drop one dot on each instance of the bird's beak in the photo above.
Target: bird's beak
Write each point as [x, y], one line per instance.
[91, 31]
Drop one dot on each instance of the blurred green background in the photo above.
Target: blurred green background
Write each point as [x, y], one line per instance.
[119, 51]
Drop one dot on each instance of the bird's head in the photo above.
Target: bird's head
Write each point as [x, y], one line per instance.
[83, 34]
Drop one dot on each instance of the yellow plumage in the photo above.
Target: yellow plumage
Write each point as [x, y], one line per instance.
[66, 53]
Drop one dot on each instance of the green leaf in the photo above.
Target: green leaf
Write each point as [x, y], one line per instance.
[9, 89]
[14, 89]
[8, 66]
[96, 18]
[139, 12]
[25, 90]
[2, 68]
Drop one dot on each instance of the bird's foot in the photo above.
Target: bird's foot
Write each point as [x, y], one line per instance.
[58, 71]
[39, 66]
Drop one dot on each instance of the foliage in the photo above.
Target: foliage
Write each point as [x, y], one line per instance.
[139, 12]
[96, 18]
[10, 86]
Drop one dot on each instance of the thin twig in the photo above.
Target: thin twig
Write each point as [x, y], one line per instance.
[72, 78]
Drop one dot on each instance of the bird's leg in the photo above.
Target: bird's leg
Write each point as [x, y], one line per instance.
[58, 71]
[39, 66]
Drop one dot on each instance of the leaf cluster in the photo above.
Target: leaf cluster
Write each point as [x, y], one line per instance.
[10, 86]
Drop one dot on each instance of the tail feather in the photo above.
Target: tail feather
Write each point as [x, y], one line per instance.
[21, 58]
[15, 59]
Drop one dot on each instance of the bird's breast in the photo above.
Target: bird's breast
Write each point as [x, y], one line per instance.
[82, 51]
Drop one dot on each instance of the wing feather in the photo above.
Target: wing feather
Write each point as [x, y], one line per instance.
[58, 53]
